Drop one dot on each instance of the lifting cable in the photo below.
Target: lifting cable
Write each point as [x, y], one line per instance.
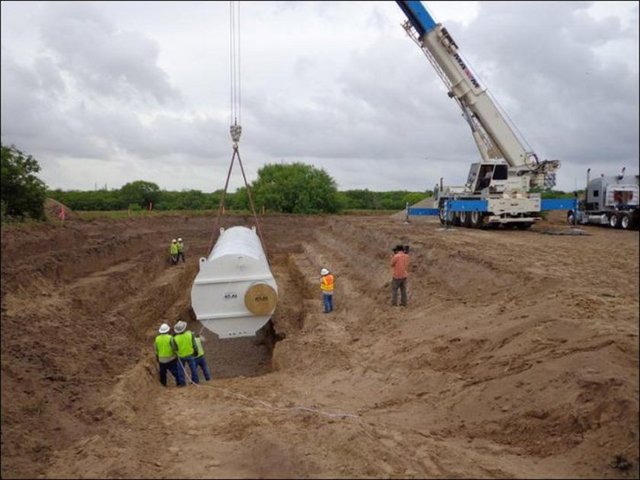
[235, 120]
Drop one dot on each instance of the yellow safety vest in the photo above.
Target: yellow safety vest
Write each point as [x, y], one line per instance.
[326, 284]
[173, 249]
[164, 349]
[184, 342]
[200, 349]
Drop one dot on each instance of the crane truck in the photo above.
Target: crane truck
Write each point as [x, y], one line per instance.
[609, 200]
[498, 190]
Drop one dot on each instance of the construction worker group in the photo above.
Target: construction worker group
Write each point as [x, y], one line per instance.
[175, 352]
[176, 251]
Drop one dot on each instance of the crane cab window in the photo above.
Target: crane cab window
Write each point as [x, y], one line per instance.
[500, 172]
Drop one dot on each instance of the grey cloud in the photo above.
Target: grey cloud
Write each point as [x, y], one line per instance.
[49, 77]
[378, 118]
[108, 61]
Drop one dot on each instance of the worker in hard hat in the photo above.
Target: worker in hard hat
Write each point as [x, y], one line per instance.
[187, 348]
[200, 360]
[326, 286]
[166, 351]
[173, 251]
[180, 251]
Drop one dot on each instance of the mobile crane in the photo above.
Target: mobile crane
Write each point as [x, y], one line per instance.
[498, 187]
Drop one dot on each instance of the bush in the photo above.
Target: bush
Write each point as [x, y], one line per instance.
[22, 193]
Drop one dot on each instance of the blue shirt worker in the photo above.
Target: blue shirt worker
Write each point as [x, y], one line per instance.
[200, 360]
[187, 348]
[166, 350]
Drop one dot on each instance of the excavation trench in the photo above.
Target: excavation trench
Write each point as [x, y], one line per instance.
[252, 356]
[507, 363]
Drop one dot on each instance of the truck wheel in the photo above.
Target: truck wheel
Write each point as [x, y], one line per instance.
[524, 225]
[625, 221]
[614, 220]
[571, 217]
[451, 218]
[465, 219]
[456, 219]
[476, 219]
[441, 215]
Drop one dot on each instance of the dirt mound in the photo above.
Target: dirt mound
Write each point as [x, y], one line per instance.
[514, 358]
[54, 210]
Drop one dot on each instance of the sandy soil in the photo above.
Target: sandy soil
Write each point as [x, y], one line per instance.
[517, 356]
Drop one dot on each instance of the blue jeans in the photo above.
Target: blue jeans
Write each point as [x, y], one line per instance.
[327, 301]
[175, 370]
[192, 366]
[202, 363]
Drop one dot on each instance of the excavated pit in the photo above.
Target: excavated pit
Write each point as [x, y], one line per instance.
[513, 358]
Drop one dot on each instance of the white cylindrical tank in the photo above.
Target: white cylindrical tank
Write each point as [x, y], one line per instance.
[234, 293]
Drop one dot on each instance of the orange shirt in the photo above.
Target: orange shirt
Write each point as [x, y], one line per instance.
[400, 265]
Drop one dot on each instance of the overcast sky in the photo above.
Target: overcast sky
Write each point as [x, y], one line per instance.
[105, 93]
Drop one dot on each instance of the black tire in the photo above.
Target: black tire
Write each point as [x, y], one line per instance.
[451, 218]
[441, 215]
[625, 221]
[614, 220]
[465, 219]
[476, 219]
[456, 219]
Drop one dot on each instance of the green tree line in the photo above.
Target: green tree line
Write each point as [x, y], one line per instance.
[279, 188]
[108, 200]
[282, 188]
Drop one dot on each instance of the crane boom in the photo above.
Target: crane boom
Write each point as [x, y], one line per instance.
[493, 135]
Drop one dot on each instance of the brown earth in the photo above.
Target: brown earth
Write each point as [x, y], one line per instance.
[517, 356]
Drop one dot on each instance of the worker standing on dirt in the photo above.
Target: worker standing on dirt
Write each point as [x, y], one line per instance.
[180, 251]
[400, 266]
[200, 360]
[173, 251]
[326, 286]
[187, 348]
[166, 350]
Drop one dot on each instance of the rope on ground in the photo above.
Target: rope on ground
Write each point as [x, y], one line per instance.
[269, 405]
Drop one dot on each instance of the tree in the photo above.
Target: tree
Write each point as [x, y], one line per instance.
[22, 193]
[295, 188]
[141, 193]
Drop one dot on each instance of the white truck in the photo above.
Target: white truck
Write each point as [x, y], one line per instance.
[611, 201]
[498, 188]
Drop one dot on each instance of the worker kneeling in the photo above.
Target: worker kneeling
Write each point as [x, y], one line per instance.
[187, 348]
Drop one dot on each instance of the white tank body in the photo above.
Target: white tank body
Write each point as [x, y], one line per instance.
[234, 293]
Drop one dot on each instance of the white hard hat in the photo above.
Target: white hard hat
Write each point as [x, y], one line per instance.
[179, 239]
[173, 241]
[164, 328]
[180, 326]
[324, 271]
